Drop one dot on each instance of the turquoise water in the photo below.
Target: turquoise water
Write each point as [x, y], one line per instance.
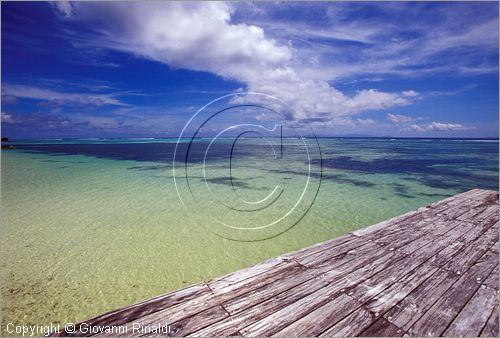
[92, 225]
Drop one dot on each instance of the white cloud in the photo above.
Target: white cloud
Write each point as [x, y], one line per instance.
[7, 118]
[196, 36]
[64, 8]
[373, 99]
[200, 36]
[410, 93]
[366, 122]
[414, 127]
[56, 97]
[438, 127]
[399, 119]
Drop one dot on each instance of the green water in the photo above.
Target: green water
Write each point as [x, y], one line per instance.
[83, 235]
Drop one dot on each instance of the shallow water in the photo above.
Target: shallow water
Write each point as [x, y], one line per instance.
[92, 225]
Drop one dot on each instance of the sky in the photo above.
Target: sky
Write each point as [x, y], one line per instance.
[136, 69]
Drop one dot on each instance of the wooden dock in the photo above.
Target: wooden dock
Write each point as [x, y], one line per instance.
[430, 272]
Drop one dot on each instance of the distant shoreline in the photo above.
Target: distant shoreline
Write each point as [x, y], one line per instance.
[11, 140]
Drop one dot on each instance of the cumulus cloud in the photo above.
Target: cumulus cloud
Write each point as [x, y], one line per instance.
[438, 127]
[201, 36]
[196, 36]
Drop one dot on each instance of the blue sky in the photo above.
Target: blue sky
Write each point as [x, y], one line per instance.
[129, 69]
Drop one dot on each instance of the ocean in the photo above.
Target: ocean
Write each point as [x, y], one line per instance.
[89, 225]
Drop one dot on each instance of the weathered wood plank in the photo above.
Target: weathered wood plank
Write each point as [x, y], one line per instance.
[472, 252]
[414, 305]
[406, 284]
[389, 297]
[321, 246]
[496, 246]
[492, 280]
[352, 325]
[406, 312]
[284, 269]
[348, 274]
[261, 294]
[472, 213]
[413, 233]
[447, 209]
[285, 316]
[435, 321]
[373, 286]
[317, 258]
[395, 282]
[383, 328]
[327, 272]
[420, 213]
[474, 316]
[252, 271]
[258, 295]
[409, 309]
[318, 321]
[477, 228]
[361, 268]
[249, 275]
[432, 242]
[398, 239]
[231, 325]
[491, 328]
